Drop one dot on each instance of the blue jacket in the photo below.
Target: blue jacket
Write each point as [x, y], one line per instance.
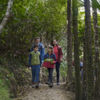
[50, 56]
[41, 50]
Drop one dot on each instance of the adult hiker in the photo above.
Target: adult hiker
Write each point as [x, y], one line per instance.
[40, 48]
[81, 68]
[59, 55]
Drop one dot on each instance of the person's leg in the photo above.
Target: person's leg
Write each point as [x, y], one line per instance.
[51, 77]
[37, 74]
[48, 75]
[82, 74]
[33, 76]
[58, 71]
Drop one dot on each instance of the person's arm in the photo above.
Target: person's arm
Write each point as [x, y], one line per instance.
[42, 53]
[54, 59]
[61, 53]
[45, 57]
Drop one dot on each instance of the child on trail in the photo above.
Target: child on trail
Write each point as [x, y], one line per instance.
[49, 63]
[34, 63]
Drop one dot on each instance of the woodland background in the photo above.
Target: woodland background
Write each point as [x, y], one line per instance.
[76, 26]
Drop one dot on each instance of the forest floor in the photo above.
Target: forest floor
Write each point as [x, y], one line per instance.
[46, 93]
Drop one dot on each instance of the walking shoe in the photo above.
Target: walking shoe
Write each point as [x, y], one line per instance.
[47, 83]
[58, 83]
[33, 85]
[50, 85]
[37, 85]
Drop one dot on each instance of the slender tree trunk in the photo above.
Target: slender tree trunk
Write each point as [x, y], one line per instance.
[7, 14]
[84, 83]
[88, 51]
[96, 59]
[76, 49]
[69, 42]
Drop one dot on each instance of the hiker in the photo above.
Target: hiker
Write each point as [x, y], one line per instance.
[40, 48]
[34, 64]
[59, 55]
[49, 63]
[81, 69]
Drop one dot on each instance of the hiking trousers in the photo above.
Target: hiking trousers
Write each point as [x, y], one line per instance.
[35, 73]
[50, 76]
[57, 71]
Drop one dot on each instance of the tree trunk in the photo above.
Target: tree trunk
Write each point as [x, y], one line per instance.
[69, 42]
[88, 51]
[7, 14]
[84, 83]
[76, 50]
[96, 59]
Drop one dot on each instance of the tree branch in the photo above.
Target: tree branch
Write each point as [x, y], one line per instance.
[7, 14]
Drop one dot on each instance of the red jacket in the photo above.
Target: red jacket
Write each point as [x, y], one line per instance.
[58, 52]
[49, 64]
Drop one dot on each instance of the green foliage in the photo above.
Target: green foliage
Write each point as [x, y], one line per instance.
[30, 19]
[96, 4]
[3, 6]
[64, 67]
[4, 91]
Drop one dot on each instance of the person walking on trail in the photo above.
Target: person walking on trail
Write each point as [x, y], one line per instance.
[81, 69]
[34, 64]
[59, 55]
[40, 48]
[49, 63]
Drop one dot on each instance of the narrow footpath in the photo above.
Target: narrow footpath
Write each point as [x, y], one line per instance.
[46, 93]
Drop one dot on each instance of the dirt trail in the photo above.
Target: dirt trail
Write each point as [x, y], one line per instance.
[46, 93]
